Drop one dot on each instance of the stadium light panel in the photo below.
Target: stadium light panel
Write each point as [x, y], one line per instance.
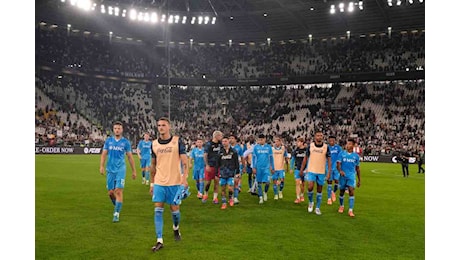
[193, 20]
[231, 18]
[103, 9]
[312, 8]
[111, 33]
[132, 14]
[332, 11]
[213, 20]
[73, 2]
[69, 25]
[163, 18]
[265, 14]
[411, 1]
[206, 19]
[154, 17]
[184, 19]
[93, 7]
[351, 7]
[191, 40]
[360, 5]
[390, 2]
[200, 19]
[398, 2]
[342, 7]
[146, 17]
[421, 1]
[116, 11]
[140, 16]
[123, 14]
[176, 19]
[171, 18]
[310, 36]
[110, 10]
[62, 1]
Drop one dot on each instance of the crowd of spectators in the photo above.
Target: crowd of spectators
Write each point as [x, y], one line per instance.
[72, 109]
[90, 53]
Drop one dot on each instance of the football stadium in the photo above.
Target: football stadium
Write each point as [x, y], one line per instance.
[230, 129]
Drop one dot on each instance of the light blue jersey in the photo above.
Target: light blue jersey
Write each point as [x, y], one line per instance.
[335, 152]
[116, 153]
[348, 162]
[262, 157]
[197, 155]
[145, 148]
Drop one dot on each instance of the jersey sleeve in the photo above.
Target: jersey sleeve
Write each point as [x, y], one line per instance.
[182, 147]
[106, 144]
[207, 146]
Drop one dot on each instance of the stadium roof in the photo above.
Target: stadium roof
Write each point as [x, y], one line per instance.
[242, 20]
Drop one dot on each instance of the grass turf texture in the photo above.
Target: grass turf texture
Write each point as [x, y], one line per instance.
[73, 219]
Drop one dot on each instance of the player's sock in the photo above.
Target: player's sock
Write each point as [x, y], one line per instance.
[143, 174]
[267, 186]
[336, 187]
[197, 186]
[329, 191]
[207, 187]
[249, 180]
[275, 189]
[159, 222]
[147, 175]
[118, 206]
[176, 219]
[341, 200]
[224, 200]
[310, 196]
[319, 197]
[201, 187]
[281, 185]
[215, 195]
[230, 194]
[352, 201]
[236, 192]
[259, 189]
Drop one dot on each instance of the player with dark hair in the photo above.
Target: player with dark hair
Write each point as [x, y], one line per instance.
[262, 166]
[348, 166]
[228, 166]
[335, 150]
[115, 148]
[168, 157]
[197, 155]
[144, 152]
[316, 155]
[280, 157]
[234, 142]
[297, 157]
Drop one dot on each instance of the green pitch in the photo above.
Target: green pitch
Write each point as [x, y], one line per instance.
[73, 219]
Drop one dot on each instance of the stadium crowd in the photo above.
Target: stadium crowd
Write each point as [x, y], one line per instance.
[79, 110]
[90, 53]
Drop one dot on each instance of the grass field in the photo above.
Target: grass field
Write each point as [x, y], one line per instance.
[73, 219]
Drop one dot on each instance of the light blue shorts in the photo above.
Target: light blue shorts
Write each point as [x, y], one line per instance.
[318, 178]
[164, 193]
[226, 181]
[346, 182]
[145, 163]
[263, 175]
[198, 173]
[278, 175]
[115, 180]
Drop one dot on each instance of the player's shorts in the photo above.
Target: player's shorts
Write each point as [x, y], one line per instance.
[145, 163]
[318, 178]
[335, 174]
[198, 173]
[212, 174]
[346, 182]
[164, 194]
[115, 180]
[263, 175]
[278, 175]
[226, 181]
[297, 174]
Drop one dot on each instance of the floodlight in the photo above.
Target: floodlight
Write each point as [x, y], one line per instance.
[206, 19]
[213, 20]
[132, 14]
[200, 19]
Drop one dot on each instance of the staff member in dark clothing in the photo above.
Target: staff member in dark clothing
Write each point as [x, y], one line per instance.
[228, 166]
[421, 161]
[405, 163]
